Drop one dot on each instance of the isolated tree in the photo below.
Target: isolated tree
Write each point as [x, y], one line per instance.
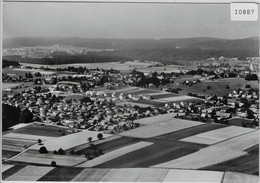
[248, 86]
[90, 139]
[43, 150]
[61, 151]
[39, 141]
[53, 163]
[100, 136]
[55, 152]
[208, 87]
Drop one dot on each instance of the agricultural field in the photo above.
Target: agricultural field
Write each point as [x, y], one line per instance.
[186, 133]
[114, 154]
[160, 128]
[34, 157]
[227, 150]
[193, 176]
[156, 153]
[109, 144]
[239, 177]
[40, 173]
[22, 136]
[61, 174]
[35, 172]
[218, 135]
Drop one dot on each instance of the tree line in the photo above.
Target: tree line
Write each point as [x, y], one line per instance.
[12, 115]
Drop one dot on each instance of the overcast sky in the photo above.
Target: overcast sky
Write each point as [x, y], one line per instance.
[123, 20]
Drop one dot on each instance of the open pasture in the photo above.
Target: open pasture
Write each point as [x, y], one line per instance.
[70, 141]
[218, 135]
[160, 128]
[40, 129]
[226, 150]
[114, 154]
[35, 172]
[34, 157]
[218, 87]
[193, 176]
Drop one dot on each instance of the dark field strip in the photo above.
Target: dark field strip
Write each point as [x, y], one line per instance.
[12, 171]
[167, 157]
[61, 174]
[245, 164]
[8, 154]
[253, 150]
[148, 156]
[113, 144]
[165, 95]
[42, 130]
[174, 136]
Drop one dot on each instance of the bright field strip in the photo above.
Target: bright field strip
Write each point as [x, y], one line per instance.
[218, 153]
[46, 159]
[218, 135]
[35, 172]
[176, 98]
[6, 167]
[114, 154]
[70, 141]
[160, 128]
[193, 176]
[26, 136]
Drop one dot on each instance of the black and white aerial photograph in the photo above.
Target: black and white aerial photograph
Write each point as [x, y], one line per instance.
[129, 92]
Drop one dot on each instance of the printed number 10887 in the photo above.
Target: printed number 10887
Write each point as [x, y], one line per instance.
[244, 11]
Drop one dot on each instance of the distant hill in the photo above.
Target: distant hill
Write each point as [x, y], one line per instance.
[163, 50]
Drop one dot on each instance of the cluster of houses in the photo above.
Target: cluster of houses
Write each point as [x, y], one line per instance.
[240, 108]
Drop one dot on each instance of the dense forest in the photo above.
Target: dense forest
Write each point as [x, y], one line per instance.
[8, 63]
[12, 115]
